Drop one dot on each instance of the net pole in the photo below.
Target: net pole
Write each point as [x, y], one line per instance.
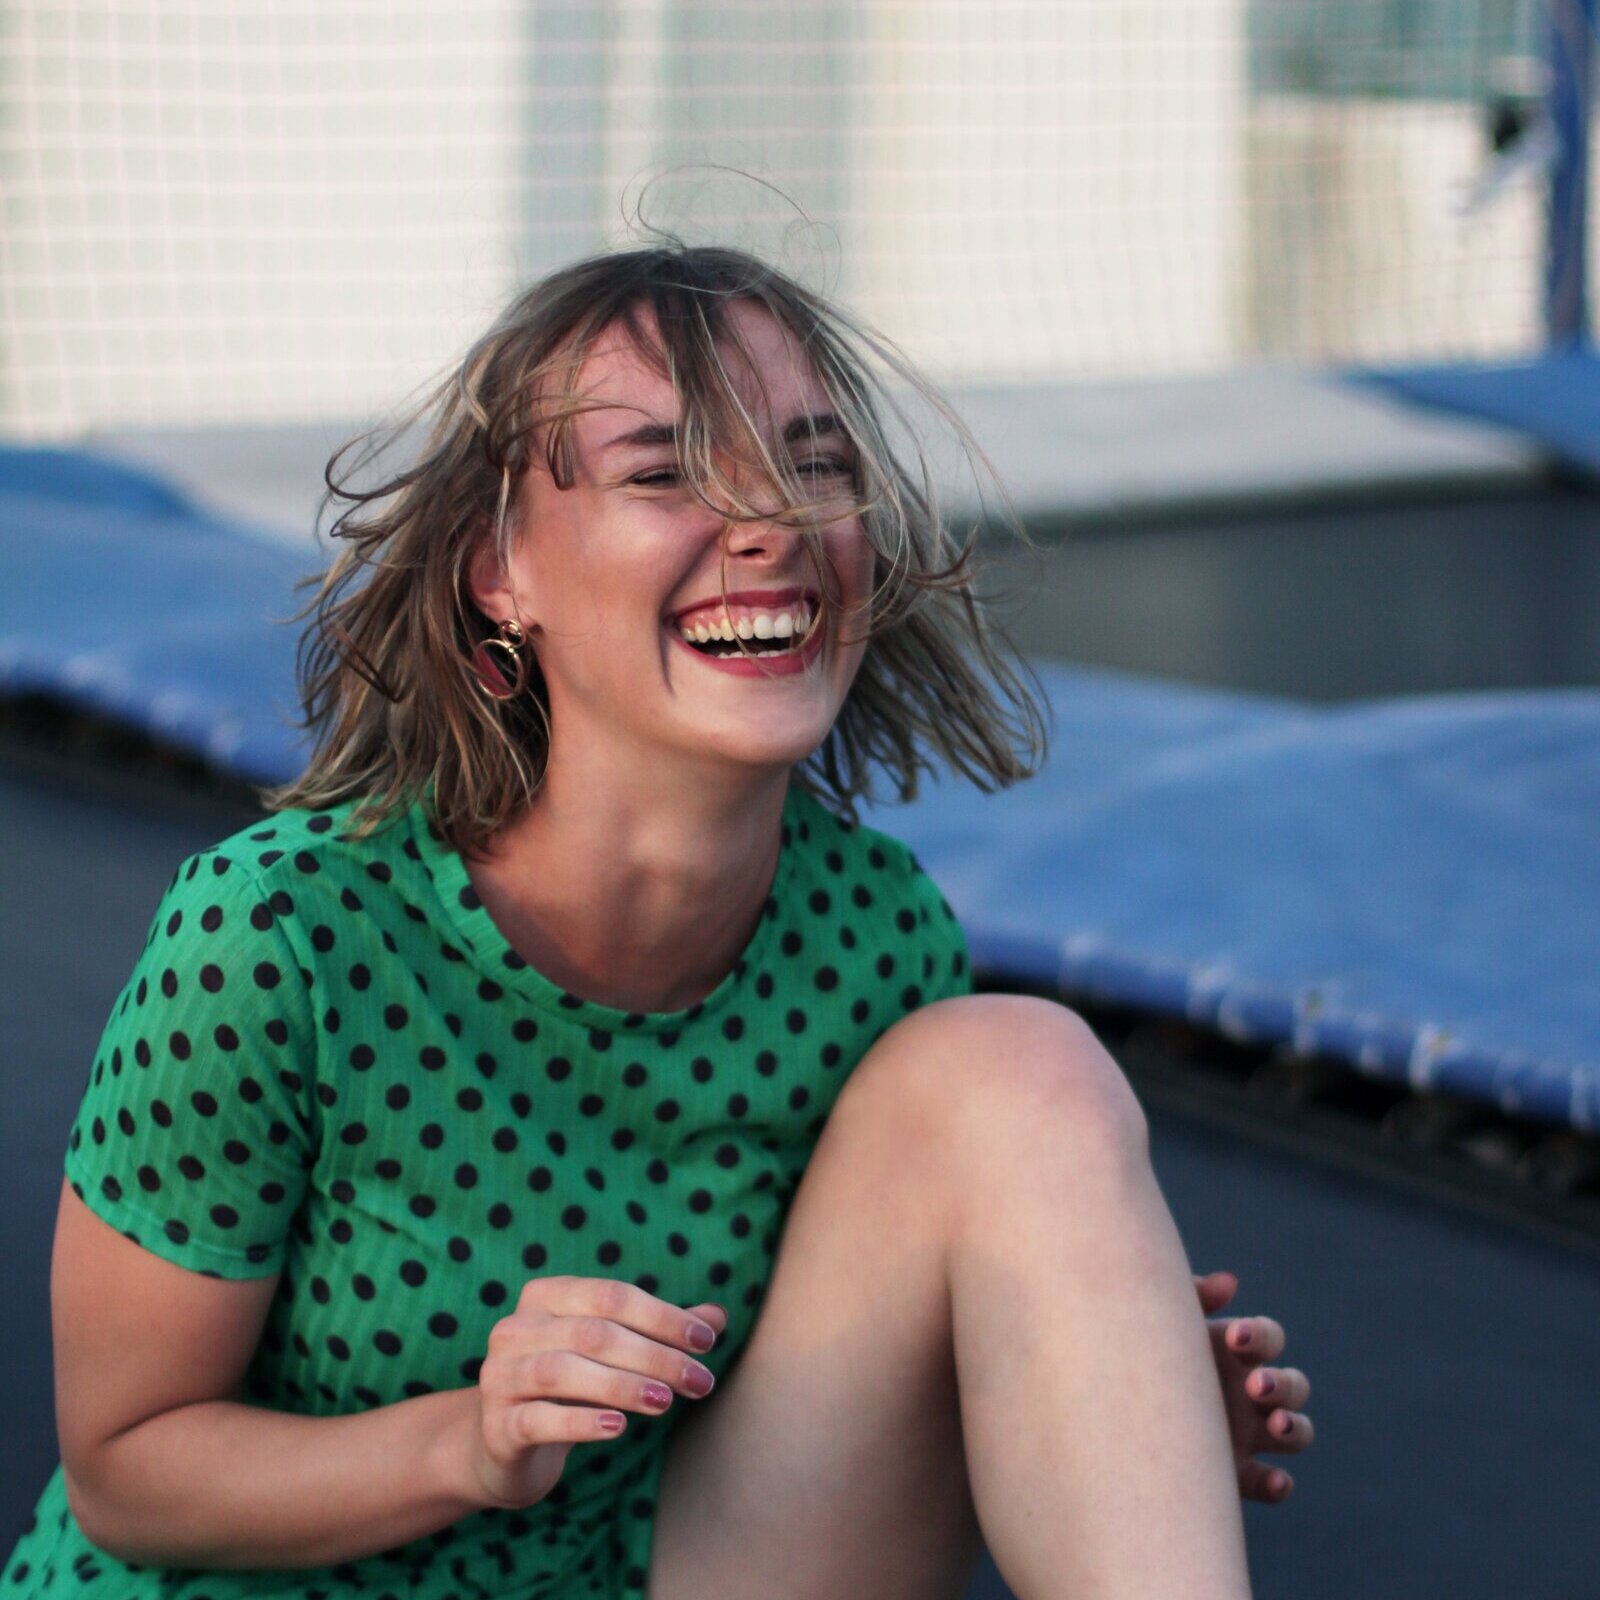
[1569, 101]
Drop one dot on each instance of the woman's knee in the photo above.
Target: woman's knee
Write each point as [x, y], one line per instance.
[965, 1070]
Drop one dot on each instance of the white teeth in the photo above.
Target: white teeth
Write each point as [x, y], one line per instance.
[760, 625]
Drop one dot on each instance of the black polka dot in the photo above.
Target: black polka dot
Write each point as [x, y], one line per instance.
[426, 1125]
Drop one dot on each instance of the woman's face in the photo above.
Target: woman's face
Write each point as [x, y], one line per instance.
[610, 574]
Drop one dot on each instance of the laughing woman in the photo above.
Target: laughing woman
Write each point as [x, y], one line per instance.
[559, 1153]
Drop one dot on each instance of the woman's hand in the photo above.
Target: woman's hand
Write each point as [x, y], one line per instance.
[575, 1353]
[1262, 1402]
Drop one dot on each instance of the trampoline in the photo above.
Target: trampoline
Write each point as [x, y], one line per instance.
[1445, 1312]
[1317, 851]
[1452, 1352]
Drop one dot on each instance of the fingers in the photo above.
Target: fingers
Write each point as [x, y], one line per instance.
[1257, 1481]
[580, 1353]
[623, 1303]
[1215, 1289]
[1256, 1338]
[1291, 1431]
[1288, 1387]
[716, 1315]
[541, 1422]
[626, 1383]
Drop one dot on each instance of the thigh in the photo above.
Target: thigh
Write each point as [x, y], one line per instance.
[831, 1462]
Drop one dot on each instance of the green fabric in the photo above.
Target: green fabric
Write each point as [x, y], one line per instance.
[329, 1063]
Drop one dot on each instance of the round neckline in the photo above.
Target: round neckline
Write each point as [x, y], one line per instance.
[489, 949]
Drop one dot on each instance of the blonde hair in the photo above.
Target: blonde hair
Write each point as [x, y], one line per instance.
[386, 682]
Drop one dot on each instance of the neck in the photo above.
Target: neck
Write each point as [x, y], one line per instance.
[637, 894]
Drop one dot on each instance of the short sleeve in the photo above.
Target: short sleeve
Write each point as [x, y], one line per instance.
[197, 1126]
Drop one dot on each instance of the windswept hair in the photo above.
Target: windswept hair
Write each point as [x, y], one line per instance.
[385, 675]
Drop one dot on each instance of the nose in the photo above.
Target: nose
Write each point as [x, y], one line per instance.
[755, 541]
[754, 538]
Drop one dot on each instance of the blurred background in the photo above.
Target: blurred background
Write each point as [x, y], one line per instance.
[238, 213]
[1274, 316]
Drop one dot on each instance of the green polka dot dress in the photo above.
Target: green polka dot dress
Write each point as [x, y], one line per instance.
[329, 1064]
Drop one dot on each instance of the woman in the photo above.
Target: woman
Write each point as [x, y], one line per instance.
[561, 1047]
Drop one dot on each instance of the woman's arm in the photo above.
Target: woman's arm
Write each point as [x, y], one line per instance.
[164, 1465]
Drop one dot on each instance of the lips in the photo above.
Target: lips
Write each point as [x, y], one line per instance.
[743, 666]
[746, 599]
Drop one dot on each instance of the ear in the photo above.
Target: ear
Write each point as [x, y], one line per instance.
[488, 585]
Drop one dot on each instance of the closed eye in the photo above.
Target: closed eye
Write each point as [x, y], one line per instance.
[817, 467]
[824, 466]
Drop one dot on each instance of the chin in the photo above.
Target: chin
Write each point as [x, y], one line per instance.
[765, 749]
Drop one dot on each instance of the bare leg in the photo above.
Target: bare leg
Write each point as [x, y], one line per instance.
[980, 1304]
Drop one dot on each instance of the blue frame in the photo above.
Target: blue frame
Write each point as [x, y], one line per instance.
[1569, 98]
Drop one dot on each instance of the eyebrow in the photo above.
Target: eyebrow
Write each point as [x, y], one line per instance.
[657, 433]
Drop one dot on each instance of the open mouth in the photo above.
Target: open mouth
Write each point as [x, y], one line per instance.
[750, 631]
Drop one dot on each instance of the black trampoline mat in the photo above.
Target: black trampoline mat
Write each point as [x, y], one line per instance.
[1454, 1359]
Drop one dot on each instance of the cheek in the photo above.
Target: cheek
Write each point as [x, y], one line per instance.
[853, 560]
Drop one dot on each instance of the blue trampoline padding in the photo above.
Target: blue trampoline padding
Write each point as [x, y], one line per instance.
[1555, 400]
[119, 596]
[1408, 885]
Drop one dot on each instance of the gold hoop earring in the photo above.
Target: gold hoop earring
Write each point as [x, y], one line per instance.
[487, 670]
